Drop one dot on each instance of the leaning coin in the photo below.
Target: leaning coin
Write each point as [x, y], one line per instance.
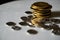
[55, 27]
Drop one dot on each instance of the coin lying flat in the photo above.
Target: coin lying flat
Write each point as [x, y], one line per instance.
[23, 23]
[41, 11]
[55, 27]
[28, 12]
[11, 23]
[30, 16]
[55, 20]
[32, 31]
[24, 18]
[16, 28]
[56, 32]
[42, 15]
[40, 6]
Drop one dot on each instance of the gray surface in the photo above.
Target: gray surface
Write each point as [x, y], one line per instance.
[13, 11]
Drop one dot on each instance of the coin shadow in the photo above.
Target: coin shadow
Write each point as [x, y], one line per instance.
[56, 14]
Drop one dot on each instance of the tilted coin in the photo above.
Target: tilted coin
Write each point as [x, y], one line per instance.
[30, 16]
[55, 27]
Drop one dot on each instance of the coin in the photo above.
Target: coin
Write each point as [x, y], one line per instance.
[41, 11]
[23, 23]
[32, 31]
[24, 18]
[36, 20]
[55, 20]
[55, 27]
[30, 16]
[41, 6]
[11, 23]
[28, 12]
[56, 32]
[16, 28]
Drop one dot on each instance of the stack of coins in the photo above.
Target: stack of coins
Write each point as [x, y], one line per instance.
[40, 10]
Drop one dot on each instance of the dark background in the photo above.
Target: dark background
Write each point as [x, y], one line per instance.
[5, 1]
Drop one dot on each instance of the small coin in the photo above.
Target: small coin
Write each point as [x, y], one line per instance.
[56, 32]
[23, 23]
[32, 31]
[55, 20]
[24, 18]
[55, 27]
[31, 26]
[11, 23]
[16, 28]
[30, 16]
[46, 24]
[28, 12]
[47, 27]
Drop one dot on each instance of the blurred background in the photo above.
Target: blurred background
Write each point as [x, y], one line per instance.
[5, 1]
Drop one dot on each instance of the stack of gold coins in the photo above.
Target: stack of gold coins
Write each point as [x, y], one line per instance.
[40, 10]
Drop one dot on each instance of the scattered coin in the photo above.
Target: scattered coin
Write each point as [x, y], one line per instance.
[31, 26]
[32, 31]
[47, 27]
[24, 18]
[28, 12]
[23, 23]
[16, 28]
[11, 23]
[30, 16]
[56, 32]
[55, 27]
[55, 20]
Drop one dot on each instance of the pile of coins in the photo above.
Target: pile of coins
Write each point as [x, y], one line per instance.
[41, 17]
[40, 10]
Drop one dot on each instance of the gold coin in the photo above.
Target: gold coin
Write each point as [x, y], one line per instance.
[41, 6]
[41, 13]
[36, 20]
